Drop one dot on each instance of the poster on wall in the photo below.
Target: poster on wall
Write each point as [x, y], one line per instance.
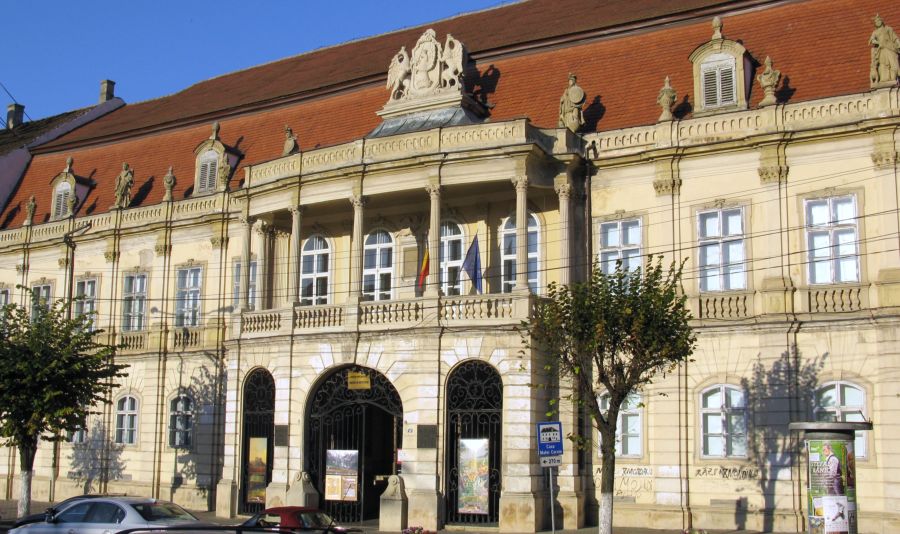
[832, 488]
[258, 459]
[474, 476]
[341, 475]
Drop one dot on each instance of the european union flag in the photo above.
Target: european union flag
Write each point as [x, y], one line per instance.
[472, 264]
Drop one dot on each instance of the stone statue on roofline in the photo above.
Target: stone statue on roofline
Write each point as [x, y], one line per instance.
[169, 183]
[290, 142]
[430, 69]
[885, 65]
[399, 73]
[570, 114]
[665, 100]
[768, 80]
[29, 210]
[124, 181]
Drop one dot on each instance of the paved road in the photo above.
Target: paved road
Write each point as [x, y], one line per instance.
[8, 513]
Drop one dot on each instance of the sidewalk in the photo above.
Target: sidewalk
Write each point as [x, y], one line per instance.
[8, 514]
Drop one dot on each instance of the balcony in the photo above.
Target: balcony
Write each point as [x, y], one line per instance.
[398, 314]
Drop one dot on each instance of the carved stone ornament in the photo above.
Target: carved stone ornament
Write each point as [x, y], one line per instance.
[665, 100]
[218, 241]
[394, 489]
[717, 28]
[124, 181]
[768, 80]
[433, 190]
[771, 174]
[29, 210]
[431, 69]
[21, 267]
[261, 227]
[885, 64]
[214, 136]
[885, 159]
[667, 186]
[290, 142]
[70, 205]
[564, 190]
[169, 183]
[520, 183]
[162, 249]
[63, 262]
[358, 201]
[110, 255]
[570, 114]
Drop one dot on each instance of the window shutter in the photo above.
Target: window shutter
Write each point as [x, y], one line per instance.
[208, 176]
[710, 89]
[727, 74]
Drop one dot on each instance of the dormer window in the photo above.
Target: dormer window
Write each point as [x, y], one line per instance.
[208, 171]
[61, 200]
[718, 76]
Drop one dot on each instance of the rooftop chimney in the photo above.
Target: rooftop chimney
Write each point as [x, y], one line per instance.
[107, 90]
[14, 115]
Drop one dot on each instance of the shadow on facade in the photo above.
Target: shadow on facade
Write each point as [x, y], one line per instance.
[97, 460]
[777, 394]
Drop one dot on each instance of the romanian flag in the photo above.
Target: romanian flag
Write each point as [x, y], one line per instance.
[423, 272]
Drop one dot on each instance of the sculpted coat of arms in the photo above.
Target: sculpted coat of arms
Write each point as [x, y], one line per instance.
[431, 69]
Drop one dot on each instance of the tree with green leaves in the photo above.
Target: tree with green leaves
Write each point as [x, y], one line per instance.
[610, 336]
[52, 371]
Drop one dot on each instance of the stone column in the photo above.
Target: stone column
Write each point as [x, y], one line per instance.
[356, 246]
[262, 264]
[294, 283]
[521, 184]
[564, 191]
[434, 241]
[244, 296]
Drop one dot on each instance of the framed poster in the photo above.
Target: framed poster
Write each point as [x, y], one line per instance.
[258, 460]
[474, 476]
[341, 475]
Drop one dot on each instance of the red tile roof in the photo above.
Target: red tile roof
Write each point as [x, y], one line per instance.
[819, 45]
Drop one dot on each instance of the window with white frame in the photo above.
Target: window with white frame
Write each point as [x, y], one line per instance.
[717, 75]
[378, 266]
[40, 299]
[629, 427]
[61, 200]
[843, 402]
[208, 171]
[134, 302]
[508, 253]
[721, 242]
[187, 296]
[126, 420]
[450, 258]
[236, 284]
[832, 240]
[86, 297]
[620, 241]
[723, 420]
[4, 297]
[181, 422]
[314, 271]
[78, 436]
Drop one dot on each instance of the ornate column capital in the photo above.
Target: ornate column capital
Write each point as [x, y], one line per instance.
[244, 219]
[564, 190]
[261, 227]
[296, 210]
[520, 183]
[358, 201]
[433, 190]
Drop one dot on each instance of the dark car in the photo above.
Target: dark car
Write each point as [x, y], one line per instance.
[295, 518]
[58, 507]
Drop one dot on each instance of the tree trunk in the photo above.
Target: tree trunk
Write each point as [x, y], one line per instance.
[26, 464]
[607, 482]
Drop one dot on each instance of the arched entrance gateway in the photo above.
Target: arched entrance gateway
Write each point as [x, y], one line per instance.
[354, 427]
[474, 430]
[258, 434]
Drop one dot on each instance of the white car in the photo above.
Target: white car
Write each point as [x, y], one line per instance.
[110, 515]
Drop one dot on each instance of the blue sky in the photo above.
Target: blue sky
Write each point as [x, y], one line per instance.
[57, 51]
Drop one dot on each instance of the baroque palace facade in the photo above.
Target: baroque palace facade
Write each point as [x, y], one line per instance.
[257, 247]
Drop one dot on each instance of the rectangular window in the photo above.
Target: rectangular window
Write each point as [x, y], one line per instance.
[40, 299]
[832, 237]
[236, 285]
[721, 242]
[134, 302]
[620, 241]
[4, 297]
[187, 296]
[85, 297]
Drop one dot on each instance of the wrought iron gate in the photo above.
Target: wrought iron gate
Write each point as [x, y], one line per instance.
[474, 412]
[258, 434]
[363, 420]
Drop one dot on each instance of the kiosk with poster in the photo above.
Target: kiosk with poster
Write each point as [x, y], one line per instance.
[831, 480]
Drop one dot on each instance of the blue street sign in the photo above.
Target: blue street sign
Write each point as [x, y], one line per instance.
[549, 436]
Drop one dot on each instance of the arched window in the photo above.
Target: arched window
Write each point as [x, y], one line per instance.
[378, 266]
[181, 422]
[126, 420]
[314, 271]
[629, 427]
[451, 258]
[61, 200]
[508, 255]
[843, 402]
[208, 171]
[723, 420]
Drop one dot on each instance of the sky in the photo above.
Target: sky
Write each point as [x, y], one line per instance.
[56, 52]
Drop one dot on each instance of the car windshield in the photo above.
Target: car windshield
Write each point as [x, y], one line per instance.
[315, 520]
[162, 511]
